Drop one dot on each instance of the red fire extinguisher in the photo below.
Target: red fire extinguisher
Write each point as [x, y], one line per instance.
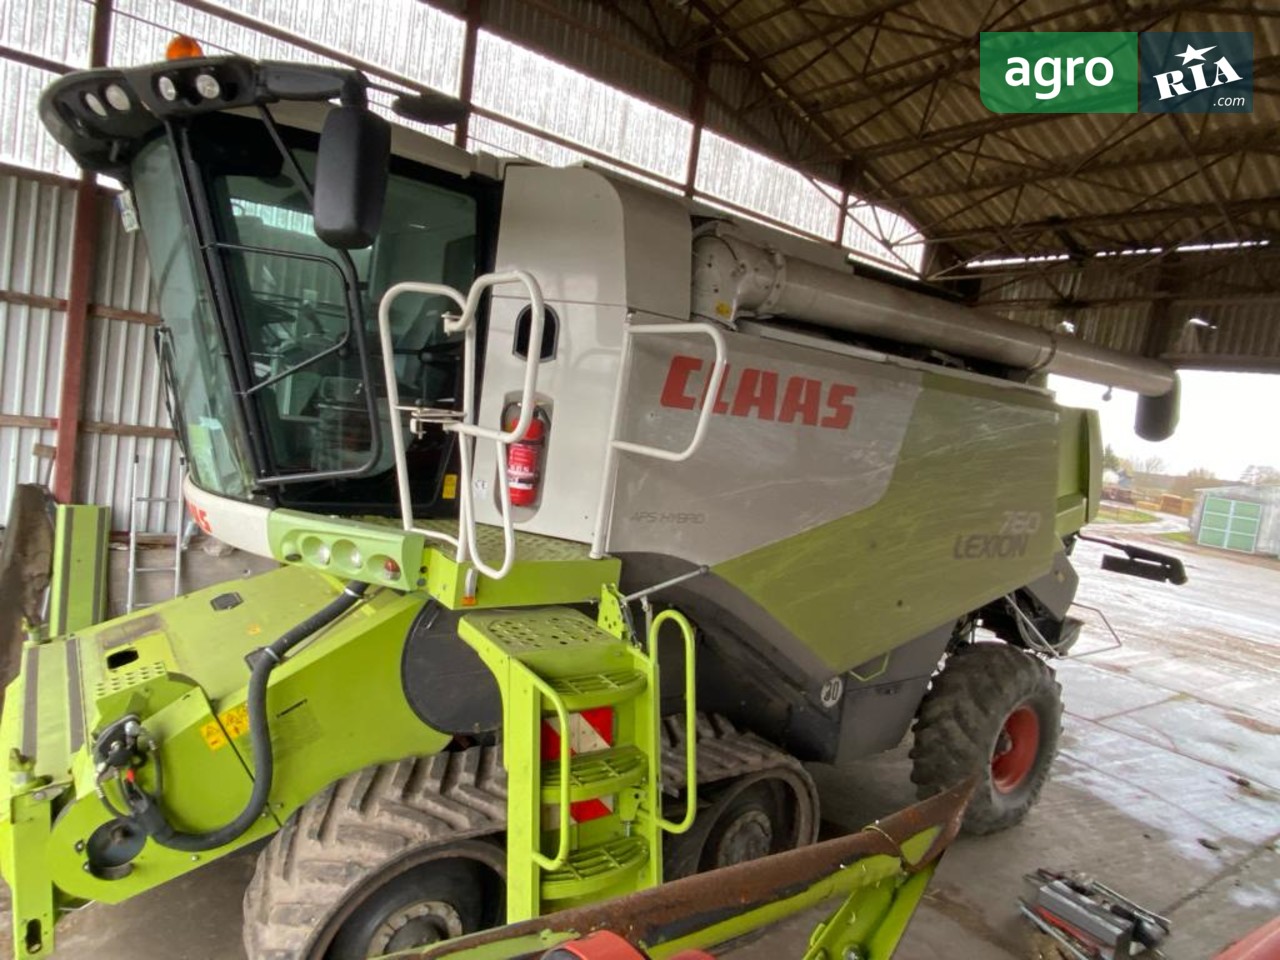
[524, 456]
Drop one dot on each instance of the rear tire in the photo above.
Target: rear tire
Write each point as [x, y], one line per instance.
[753, 798]
[389, 858]
[994, 710]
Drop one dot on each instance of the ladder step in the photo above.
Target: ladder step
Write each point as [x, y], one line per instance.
[598, 689]
[524, 633]
[592, 869]
[596, 774]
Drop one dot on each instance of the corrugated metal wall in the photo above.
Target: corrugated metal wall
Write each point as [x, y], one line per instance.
[124, 414]
[34, 242]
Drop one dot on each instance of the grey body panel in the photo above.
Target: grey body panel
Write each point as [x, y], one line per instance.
[801, 437]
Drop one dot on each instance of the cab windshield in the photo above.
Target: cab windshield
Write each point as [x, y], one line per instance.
[270, 337]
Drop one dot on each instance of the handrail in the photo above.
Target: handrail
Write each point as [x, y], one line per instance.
[713, 391]
[690, 715]
[562, 714]
[393, 396]
[605, 501]
[465, 544]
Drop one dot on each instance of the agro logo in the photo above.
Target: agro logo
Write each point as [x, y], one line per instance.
[1059, 72]
[1196, 72]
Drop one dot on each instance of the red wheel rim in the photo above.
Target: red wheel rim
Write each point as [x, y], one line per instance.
[1016, 750]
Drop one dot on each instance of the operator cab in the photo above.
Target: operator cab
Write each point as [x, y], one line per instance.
[269, 342]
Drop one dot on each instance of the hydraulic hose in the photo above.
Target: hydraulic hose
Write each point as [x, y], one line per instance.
[145, 809]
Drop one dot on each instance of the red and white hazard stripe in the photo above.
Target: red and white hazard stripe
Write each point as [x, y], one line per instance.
[589, 730]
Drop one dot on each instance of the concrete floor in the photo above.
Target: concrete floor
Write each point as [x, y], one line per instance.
[1166, 788]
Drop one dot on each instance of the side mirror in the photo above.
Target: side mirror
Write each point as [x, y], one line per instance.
[351, 177]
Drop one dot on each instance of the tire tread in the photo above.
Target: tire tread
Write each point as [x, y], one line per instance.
[962, 712]
[354, 827]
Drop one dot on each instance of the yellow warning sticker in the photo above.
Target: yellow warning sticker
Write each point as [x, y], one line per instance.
[450, 490]
[213, 736]
[235, 723]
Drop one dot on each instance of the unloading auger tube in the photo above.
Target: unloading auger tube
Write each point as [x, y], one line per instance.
[733, 276]
[124, 743]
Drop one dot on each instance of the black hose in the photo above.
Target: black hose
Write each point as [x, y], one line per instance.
[146, 808]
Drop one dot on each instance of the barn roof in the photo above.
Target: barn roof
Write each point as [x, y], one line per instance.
[1121, 227]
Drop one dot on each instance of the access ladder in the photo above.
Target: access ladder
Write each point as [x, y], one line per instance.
[586, 824]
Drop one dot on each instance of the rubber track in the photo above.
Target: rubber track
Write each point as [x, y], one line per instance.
[957, 720]
[357, 825]
[724, 752]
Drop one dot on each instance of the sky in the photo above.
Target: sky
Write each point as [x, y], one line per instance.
[1229, 421]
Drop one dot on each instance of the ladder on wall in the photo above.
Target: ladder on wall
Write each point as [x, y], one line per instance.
[582, 749]
[139, 508]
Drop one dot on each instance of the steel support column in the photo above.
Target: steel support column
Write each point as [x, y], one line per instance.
[84, 237]
[466, 80]
[698, 114]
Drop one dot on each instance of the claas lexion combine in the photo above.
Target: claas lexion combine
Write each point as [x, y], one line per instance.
[597, 513]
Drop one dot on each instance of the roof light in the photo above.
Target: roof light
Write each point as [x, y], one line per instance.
[117, 97]
[168, 89]
[93, 103]
[182, 47]
[208, 87]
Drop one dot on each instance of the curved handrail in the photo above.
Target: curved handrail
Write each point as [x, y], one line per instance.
[393, 395]
[690, 715]
[713, 390]
[465, 544]
[562, 714]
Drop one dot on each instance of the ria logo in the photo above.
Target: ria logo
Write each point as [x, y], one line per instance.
[1196, 72]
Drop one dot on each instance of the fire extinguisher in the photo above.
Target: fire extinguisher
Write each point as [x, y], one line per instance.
[524, 456]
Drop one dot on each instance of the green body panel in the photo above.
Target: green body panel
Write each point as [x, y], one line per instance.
[862, 585]
[547, 570]
[1079, 469]
[349, 548]
[78, 589]
[33, 909]
[336, 707]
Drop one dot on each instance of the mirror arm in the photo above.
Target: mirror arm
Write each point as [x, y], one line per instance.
[355, 92]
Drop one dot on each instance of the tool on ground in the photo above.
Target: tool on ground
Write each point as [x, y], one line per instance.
[1089, 920]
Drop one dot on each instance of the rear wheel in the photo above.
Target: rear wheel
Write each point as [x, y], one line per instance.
[754, 799]
[387, 859]
[995, 710]
[753, 821]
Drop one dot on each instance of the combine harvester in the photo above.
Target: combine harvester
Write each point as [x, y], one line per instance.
[513, 434]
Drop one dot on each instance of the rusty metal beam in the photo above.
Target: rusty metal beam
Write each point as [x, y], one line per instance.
[697, 114]
[968, 59]
[1191, 211]
[834, 22]
[1036, 304]
[998, 123]
[75, 338]
[96, 310]
[33, 60]
[1143, 153]
[98, 427]
[755, 65]
[474, 15]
